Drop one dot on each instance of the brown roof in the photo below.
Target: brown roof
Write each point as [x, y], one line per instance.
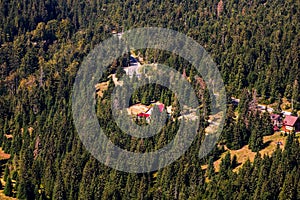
[290, 120]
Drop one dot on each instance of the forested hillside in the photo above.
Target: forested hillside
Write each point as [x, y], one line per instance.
[42, 44]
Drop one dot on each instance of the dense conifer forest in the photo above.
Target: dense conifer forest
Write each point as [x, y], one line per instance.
[255, 44]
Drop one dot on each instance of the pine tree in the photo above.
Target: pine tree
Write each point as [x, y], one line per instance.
[240, 135]
[266, 124]
[59, 192]
[120, 71]
[234, 162]
[225, 166]
[1, 186]
[8, 190]
[86, 184]
[255, 141]
[6, 173]
[229, 127]
[256, 137]
[211, 168]
[25, 186]
[295, 95]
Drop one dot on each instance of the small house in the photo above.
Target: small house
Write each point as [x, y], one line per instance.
[145, 115]
[148, 113]
[276, 120]
[291, 123]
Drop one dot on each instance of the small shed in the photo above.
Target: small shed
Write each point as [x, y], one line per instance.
[276, 120]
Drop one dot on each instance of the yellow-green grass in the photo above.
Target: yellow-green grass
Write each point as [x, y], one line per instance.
[245, 153]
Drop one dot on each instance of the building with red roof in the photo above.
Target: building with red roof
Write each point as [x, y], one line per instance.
[161, 107]
[291, 123]
[148, 113]
[143, 115]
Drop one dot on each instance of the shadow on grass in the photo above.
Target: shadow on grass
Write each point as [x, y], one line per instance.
[266, 144]
[236, 165]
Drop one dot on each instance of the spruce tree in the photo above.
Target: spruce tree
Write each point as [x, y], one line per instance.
[227, 134]
[289, 189]
[87, 181]
[256, 137]
[255, 141]
[8, 190]
[240, 135]
[6, 173]
[211, 168]
[266, 124]
[225, 166]
[25, 186]
[59, 192]
[234, 162]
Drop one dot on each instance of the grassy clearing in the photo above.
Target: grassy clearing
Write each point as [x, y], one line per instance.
[245, 153]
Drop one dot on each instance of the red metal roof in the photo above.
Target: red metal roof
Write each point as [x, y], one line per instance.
[148, 113]
[161, 107]
[290, 120]
[143, 115]
[275, 128]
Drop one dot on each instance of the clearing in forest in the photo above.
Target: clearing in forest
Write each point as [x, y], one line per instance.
[243, 154]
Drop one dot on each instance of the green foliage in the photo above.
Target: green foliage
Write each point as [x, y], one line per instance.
[234, 162]
[59, 192]
[257, 130]
[210, 169]
[42, 43]
[6, 173]
[8, 189]
[225, 166]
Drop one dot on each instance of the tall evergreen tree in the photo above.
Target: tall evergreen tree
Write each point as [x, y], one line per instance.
[6, 173]
[8, 189]
[211, 168]
[59, 192]
[225, 166]
[256, 137]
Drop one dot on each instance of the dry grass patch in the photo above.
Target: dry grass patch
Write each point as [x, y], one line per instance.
[3, 197]
[101, 87]
[3, 155]
[245, 153]
[137, 108]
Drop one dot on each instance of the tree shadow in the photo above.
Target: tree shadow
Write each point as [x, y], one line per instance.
[266, 144]
[236, 165]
